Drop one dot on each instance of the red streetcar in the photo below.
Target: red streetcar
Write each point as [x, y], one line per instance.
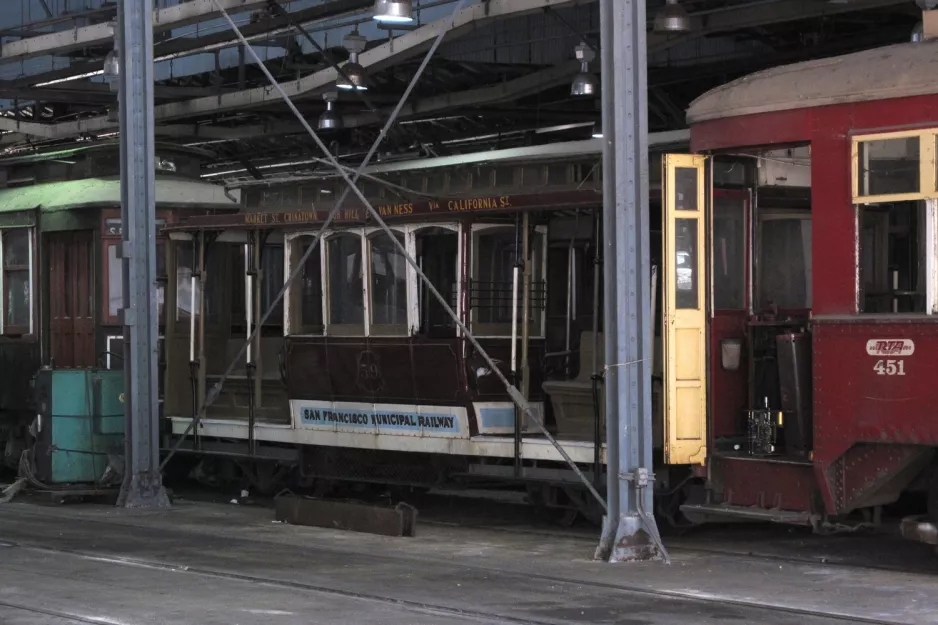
[814, 351]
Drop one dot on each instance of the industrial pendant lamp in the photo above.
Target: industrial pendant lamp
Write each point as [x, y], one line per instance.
[355, 76]
[112, 70]
[672, 18]
[584, 83]
[598, 129]
[330, 120]
[398, 11]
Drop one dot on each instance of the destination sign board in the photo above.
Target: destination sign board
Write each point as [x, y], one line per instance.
[424, 208]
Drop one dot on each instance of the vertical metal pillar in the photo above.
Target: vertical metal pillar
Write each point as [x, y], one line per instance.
[629, 531]
[142, 486]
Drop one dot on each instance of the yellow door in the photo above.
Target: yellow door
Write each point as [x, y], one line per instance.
[684, 288]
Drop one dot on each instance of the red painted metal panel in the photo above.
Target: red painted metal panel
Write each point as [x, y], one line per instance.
[880, 398]
[729, 390]
[856, 401]
[751, 130]
[763, 483]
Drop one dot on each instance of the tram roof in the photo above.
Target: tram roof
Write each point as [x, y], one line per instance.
[897, 71]
[100, 192]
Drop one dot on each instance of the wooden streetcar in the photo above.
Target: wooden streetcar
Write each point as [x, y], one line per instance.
[795, 339]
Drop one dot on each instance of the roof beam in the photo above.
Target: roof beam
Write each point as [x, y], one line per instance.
[184, 46]
[517, 88]
[175, 16]
[379, 57]
[760, 14]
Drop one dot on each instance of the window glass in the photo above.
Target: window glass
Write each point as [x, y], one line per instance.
[729, 253]
[437, 253]
[187, 289]
[686, 264]
[306, 292]
[889, 166]
[785, 263]
[16, 278]
[115, 282]
[685, 188]
[272, 282]
[388, 282]
[346, 304]
[16, 248]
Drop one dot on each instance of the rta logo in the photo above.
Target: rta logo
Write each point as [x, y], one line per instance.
[369, 372]
[890, 347]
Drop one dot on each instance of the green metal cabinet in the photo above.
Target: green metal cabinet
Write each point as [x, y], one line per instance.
[80, 423]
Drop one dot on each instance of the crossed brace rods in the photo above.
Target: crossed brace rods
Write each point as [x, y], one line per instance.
[351, 186]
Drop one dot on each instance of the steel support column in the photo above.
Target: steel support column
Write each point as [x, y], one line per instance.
[629, 531]
[142, 486]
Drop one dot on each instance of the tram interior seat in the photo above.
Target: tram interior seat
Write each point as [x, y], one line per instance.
[572, 400]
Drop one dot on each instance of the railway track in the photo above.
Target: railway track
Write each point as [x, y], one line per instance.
[926, 564]
[754, 611]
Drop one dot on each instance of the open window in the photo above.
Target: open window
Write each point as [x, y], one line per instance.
[496, 252]
[438, 257]
[896, 248]
[784, 260]
[895, 188]
[266, 271]
[113, 286]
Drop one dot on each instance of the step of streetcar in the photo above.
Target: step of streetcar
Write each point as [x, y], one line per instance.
[749, 513]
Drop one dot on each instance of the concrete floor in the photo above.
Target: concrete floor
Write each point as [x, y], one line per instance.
[210, 563]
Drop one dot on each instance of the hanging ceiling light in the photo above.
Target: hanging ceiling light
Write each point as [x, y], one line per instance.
[354, 73]
[330, 120]
[112, 69]
[672, 18]
[598, 129]
[400, 11]
[584, 83]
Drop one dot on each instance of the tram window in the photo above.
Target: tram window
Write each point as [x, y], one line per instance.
[271, 283]
[115, 281]
[687, 277]
[785, 261]
[186, 262]
[346, 304]
[729, 253]
[388, 277]
[187, 291]
[437, 253]
[893, 252]
[495, 254]
[307, 291]
[685, 187]
[889, 166]
[16, 283]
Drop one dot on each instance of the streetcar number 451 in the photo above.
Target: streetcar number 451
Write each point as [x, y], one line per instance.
[889, 367]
